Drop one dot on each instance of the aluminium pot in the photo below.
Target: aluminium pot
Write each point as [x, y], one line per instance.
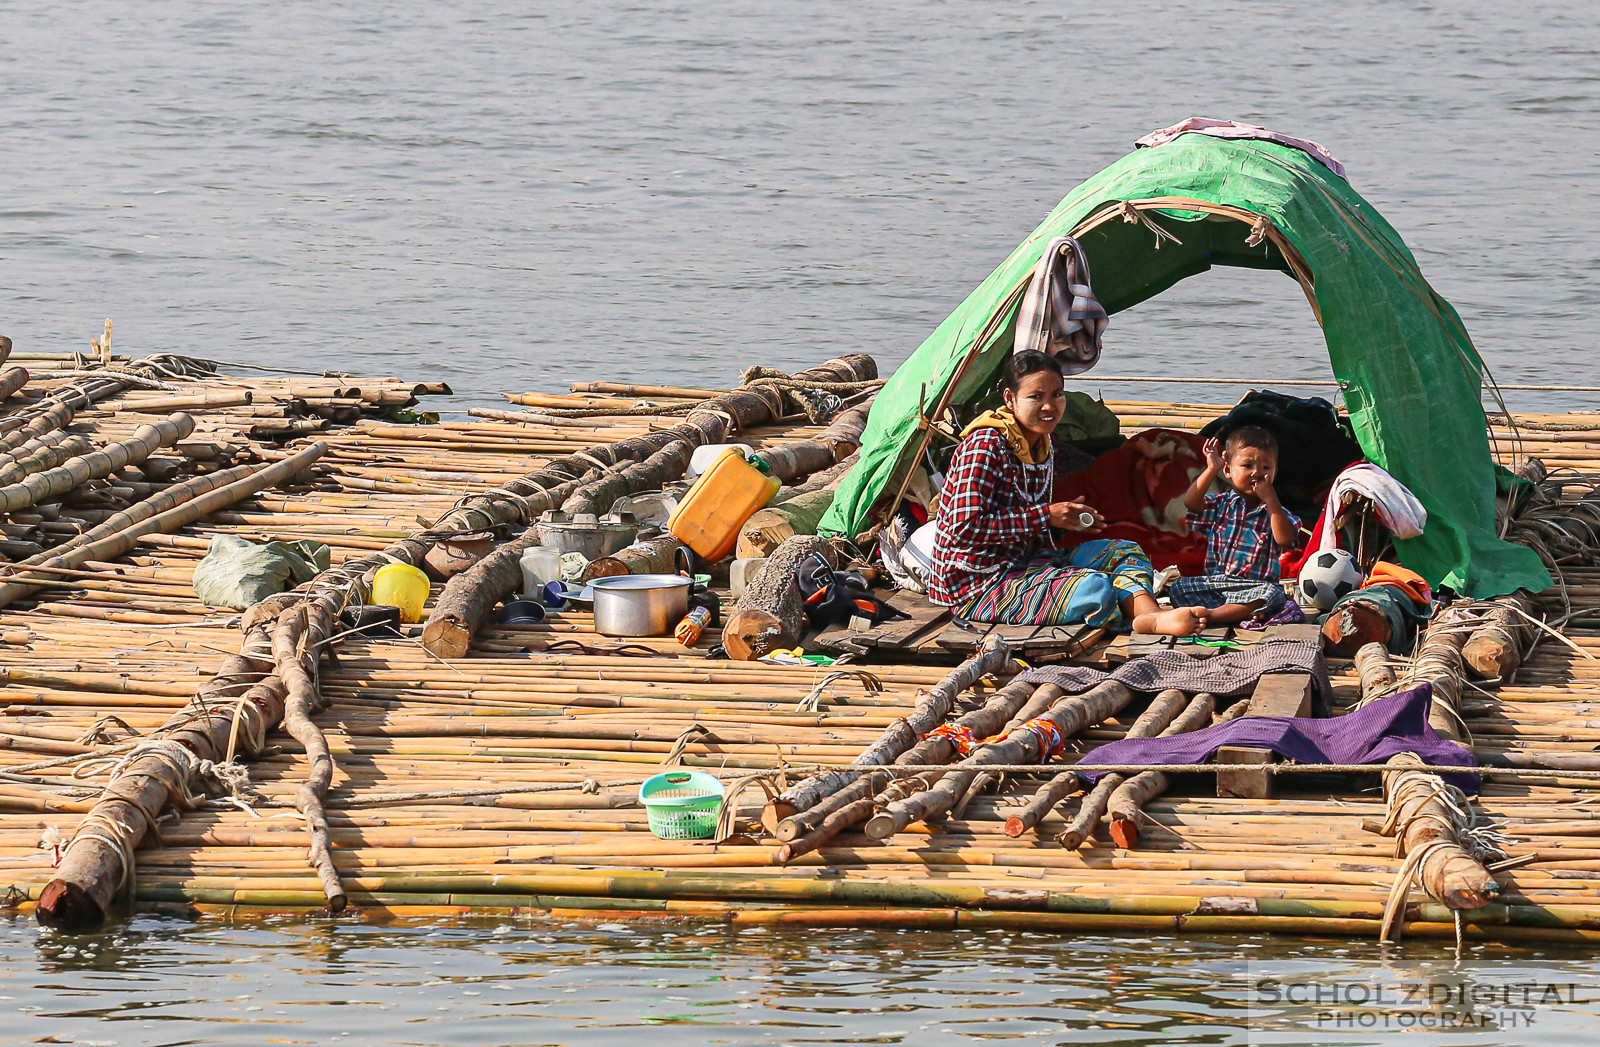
[640, 604]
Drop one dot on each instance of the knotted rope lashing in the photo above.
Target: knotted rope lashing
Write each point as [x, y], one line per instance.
[1409, 792]
[818, 401]
[812, 701]
[681, 744]
[174, 766]
[728, 816]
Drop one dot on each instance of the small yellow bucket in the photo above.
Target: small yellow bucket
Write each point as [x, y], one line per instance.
[403, 586]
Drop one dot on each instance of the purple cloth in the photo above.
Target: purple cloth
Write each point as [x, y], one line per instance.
[1371, 734]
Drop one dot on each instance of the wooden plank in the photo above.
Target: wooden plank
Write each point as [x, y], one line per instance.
[1298, 631]
[903, 632]
[1276, 694]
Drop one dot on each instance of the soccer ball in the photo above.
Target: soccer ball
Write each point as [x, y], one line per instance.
[1328, 575]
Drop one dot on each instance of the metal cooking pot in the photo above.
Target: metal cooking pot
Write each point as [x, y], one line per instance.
[640, 604]
[585, 534]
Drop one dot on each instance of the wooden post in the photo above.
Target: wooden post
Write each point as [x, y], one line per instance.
[1276, 694]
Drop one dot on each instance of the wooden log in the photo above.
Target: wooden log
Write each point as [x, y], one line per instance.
[657, 555]
[297, 642]
[1275, 694]
[843, 434]
[1130, 797]
[769, 528]
[44, 458]
[161, 514]
[1162, 711]
[830, 477]
[771, 613]
[1418, 816]
[930, 711]
[797, 458]
[1439, 663]
[469, 597]
[1376, 671]
[661, 468]
[5, 348]
[857, 801]
[76, 472]
[95, 866]
[11, 380]
[1026, 744]
[1494, 649]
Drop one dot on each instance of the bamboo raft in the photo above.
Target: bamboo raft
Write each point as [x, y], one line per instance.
[378, 774]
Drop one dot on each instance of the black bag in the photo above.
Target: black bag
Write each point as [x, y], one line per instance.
[833, 597]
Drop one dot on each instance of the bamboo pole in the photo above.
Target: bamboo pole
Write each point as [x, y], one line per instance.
[192, 502]
[12, 380]
[77, 471]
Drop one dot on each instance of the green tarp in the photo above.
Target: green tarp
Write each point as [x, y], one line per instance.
[1409, 372]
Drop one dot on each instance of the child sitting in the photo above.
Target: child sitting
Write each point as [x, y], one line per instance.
[1246, 529]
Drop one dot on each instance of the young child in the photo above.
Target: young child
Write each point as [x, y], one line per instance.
[1246, 528]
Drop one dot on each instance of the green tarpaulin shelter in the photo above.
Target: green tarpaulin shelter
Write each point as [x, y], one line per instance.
[1408, 370]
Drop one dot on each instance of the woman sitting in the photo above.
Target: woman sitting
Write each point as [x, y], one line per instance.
[994, 558]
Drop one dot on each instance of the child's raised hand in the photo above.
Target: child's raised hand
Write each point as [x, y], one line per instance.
[1213, 452]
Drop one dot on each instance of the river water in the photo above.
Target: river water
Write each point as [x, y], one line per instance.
[513, 196]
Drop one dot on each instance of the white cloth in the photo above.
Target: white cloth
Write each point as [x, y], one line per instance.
[1398, 509]
[908, 558]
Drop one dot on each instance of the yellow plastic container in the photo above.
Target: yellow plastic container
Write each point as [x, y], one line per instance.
[721, 500]
[403, 586]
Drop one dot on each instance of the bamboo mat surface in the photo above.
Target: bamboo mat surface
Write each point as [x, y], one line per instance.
[507, 779]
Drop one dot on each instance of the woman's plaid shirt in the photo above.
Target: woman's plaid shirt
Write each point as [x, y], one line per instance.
[993, 512]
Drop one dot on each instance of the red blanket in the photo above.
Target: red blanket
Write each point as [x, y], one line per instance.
[1139, 489]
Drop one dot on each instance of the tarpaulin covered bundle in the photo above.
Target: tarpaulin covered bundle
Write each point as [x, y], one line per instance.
[1410, 374]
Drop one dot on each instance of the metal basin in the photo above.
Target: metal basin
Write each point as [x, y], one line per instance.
[640, 604]
[587, 535]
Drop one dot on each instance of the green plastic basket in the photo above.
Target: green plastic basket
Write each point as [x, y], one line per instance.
[682, 805]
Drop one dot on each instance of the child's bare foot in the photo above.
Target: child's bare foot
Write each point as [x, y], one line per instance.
[1179, 621]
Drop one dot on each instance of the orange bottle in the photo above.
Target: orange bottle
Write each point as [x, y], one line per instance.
[721, 500]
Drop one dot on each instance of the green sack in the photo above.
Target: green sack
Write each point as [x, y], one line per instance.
[238, 573]
[1085, 420]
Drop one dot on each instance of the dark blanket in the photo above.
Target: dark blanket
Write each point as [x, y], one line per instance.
[1314, 443]
[1371, 734]
[1223, 675]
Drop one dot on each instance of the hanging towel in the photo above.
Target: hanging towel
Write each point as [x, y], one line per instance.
[1398, 509]
[1059, 314]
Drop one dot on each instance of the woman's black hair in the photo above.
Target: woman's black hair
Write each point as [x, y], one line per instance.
[1021, 365]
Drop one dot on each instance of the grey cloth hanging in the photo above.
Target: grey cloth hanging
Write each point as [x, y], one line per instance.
[1060, 314]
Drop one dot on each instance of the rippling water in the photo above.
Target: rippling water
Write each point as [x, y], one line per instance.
[164, 981]
[511, 195]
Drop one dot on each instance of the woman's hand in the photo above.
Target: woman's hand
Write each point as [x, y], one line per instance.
[1068, 517]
